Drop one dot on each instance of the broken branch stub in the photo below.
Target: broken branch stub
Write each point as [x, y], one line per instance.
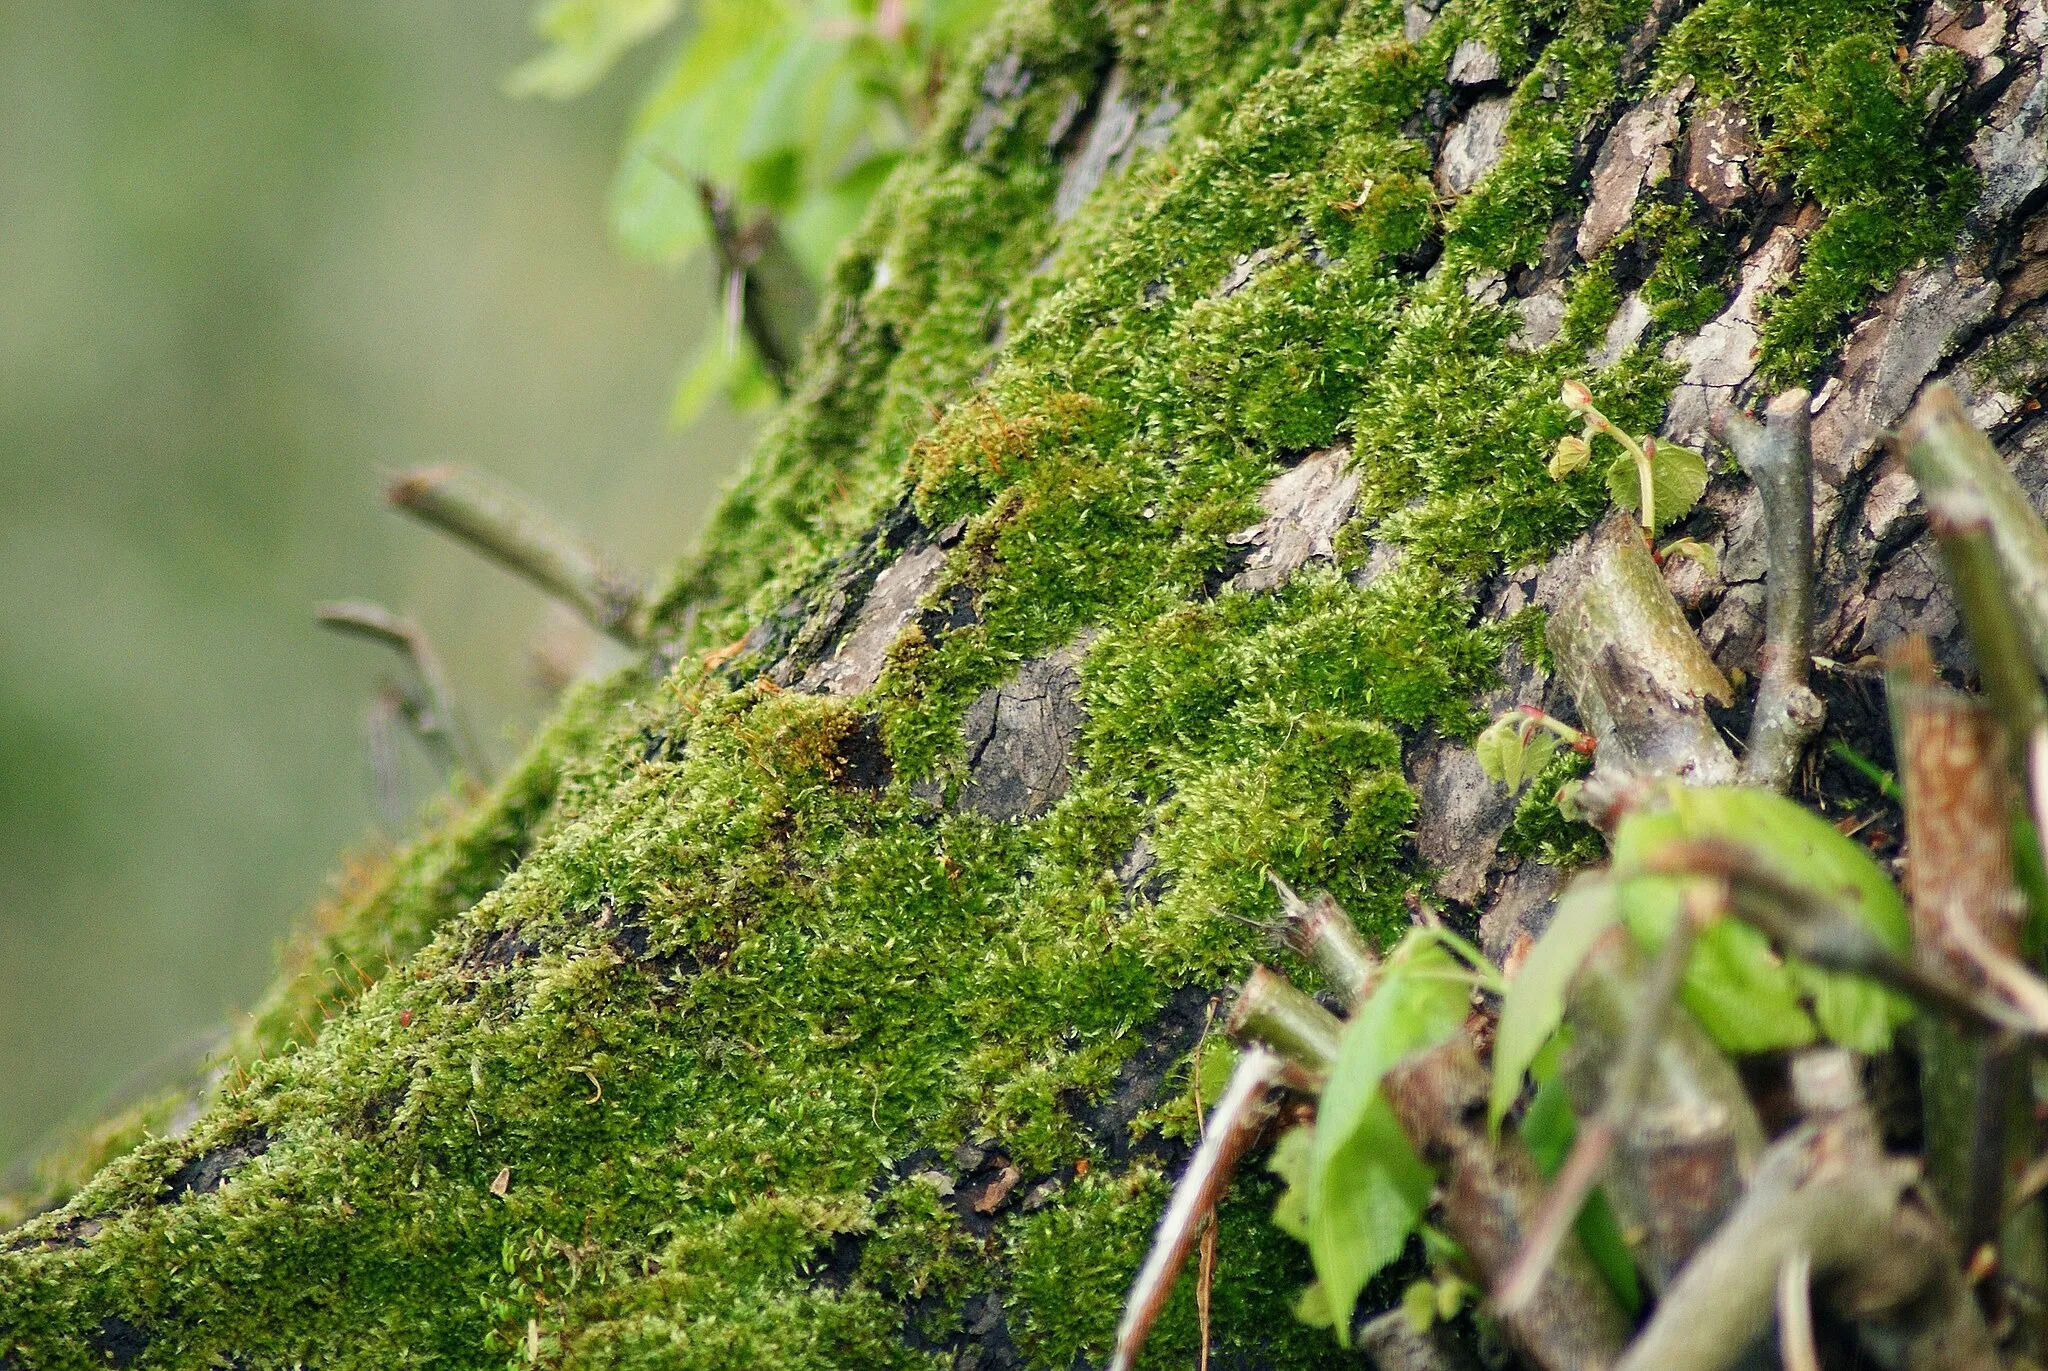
[1319, 930]
[1272, 1011]
[1634, 666]
[1778, 456]
[520, 536]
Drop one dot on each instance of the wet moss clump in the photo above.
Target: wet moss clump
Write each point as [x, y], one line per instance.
[699, 1042]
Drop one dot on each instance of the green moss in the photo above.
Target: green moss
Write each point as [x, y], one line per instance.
[700, 988]
[1851, 127]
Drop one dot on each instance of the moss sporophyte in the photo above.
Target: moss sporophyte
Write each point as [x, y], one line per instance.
[728, 969]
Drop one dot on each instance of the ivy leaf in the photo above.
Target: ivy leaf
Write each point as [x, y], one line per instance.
[1678, 476]
[1367, 1189]
[1534, 1005]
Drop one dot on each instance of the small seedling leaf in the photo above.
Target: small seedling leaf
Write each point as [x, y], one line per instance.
[1678, 476]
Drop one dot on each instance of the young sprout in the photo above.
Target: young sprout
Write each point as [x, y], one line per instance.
[1520, 743]
[1661, 480]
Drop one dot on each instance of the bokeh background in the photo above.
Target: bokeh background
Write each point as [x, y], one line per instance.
[254, 254]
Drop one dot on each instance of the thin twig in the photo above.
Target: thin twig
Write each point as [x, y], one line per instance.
[1796, 1349]
[1778, 457]
[1232, 1126]
[1596, 1138]
[425, 699]
[1812, 928]
[519, 535]
[1321, 931]
[767, 291]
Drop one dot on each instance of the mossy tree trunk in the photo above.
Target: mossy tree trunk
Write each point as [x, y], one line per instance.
[1163, 501]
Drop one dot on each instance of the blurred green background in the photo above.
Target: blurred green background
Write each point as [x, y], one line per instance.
[253, 255]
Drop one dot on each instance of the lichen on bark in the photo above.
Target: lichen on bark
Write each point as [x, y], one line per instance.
[741, 1025]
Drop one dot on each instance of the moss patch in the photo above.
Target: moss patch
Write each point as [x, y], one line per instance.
[648, 1056]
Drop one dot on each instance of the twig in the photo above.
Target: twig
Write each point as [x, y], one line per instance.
[1826, 1191]
[1489, 1195]
[519, 535]
[1683, 1155]
[1812, 928]
[1392, 1342]
[1232, 1126]
[767, 291]
[1596, 1138]
[1321, 931]
[1946, 453]
[1778, 457]
[1272, 1011]
[424, 699]
[1796, 1350]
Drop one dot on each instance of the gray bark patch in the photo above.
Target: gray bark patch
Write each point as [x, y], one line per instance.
[1719, 151]
[890, 607]
[203, 1174]
[1306, 506]
[1721, 358]
[1118, 133]
[1636, 154]
[1021, 738]
[1473, 146]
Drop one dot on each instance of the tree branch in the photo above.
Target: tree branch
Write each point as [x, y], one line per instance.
[1625, 1093]
[1947, 455]
[1777, 455]
[1490, 1194]
[424, 698]
[1826, 1192]
[767, 291]
[522, 537]
[1635, 668]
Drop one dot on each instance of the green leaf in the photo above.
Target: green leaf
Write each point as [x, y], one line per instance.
[1697, 551]
[1534, 1005]
[1293, 1157]
[1311, 1308]
[1548, 1130]
[1678, 476]
[1418, 1305]
[1366, 1187]
[1512, 749]
[586, 37]
[1803, 849]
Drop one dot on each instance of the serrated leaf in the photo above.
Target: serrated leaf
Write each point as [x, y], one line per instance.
[1511, 750]
[1534, 1005]
[1571, 453]
[1367, 1188]
[1678, 476]
[1293, 1157]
